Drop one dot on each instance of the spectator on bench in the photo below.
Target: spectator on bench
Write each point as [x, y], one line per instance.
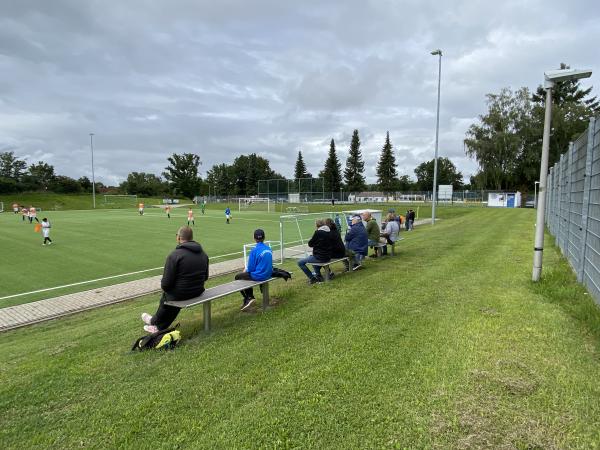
[372, 230]
[260, 267]
[338, 249]
[321, 245]
[186, 270]
[357, 241]
[390, 232]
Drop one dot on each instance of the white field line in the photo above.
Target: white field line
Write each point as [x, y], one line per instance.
[79, 283]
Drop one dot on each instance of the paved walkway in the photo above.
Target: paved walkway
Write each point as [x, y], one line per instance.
[52, 308]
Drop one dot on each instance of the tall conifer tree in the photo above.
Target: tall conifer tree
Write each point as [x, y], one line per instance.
[331, 171]
[355, 166]
[300, 169]
[386, 167]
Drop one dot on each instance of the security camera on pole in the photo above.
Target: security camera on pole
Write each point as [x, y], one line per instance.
[550, 78]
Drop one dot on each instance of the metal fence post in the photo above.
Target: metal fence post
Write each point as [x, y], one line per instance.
[589, 157]
[568, 169]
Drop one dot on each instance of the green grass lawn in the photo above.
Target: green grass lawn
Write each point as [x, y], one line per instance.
[89, 245]
[447, 345]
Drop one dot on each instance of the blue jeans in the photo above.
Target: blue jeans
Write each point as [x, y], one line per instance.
[310, 259]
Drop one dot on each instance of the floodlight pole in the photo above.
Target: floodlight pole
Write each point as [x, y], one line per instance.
[93, 176]
[437, 133]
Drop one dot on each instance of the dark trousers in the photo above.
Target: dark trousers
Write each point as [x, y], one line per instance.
[165, 315]
[47, 239]
[246, 293]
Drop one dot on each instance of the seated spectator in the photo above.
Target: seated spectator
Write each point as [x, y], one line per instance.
[372, 230]
[357, 241]
[390, 232]
[260, 267]
[321, 245]
[338, 249]
[185, 272]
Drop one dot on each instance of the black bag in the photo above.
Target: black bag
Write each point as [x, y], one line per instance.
[280, 273]
[161, 340]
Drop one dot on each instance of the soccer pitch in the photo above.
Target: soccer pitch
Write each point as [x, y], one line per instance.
[89, 245]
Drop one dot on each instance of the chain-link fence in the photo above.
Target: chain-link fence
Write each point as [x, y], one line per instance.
[573, 206]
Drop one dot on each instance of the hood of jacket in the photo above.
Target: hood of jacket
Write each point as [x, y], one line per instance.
[192, 246]
[324, 228]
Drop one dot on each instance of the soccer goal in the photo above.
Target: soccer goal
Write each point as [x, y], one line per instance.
[114, 199]
[1, 207]
[255, 204]
[295, 230]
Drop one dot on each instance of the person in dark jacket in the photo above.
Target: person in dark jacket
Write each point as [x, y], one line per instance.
[357, 240]
[321, 245]
[338, 249]
[184, 274]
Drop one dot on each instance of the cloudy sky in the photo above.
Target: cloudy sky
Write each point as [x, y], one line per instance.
[229, 77]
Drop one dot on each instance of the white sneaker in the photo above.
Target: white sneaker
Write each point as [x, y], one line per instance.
[147, 318]
[150, 328]
[248, 303]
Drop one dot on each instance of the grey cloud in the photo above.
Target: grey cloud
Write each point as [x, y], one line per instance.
[231, 77]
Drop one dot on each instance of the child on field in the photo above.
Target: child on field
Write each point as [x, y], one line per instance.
[191, 217]
[227, 214]
[168, 211]
[141, 209]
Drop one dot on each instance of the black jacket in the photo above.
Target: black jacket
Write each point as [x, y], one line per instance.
[321, 244]
[186, 270]
[338, 249]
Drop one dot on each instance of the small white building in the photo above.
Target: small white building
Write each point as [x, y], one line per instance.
[504, 199]
[370, 197]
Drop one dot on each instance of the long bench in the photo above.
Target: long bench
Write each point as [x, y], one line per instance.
[220, 291]
[326, 265]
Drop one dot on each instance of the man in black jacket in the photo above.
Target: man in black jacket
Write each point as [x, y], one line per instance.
[321, 245]
[186, 270]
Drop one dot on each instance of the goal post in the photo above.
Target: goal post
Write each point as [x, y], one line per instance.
[295, 230]
[1, 207]
[116, 199]
[255, 204]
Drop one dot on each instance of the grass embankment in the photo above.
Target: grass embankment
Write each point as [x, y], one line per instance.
[62, 202]
[448, 345]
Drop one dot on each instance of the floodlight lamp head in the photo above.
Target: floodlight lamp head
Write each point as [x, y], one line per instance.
[554, 76]
[437, 52]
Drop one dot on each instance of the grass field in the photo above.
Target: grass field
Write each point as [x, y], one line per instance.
[89, 245]
[447, 345]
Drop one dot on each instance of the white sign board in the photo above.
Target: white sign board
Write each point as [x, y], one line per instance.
[445, 192]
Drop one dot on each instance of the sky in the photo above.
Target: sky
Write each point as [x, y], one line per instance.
[224, 78]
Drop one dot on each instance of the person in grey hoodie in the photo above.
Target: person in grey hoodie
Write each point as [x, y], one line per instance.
[184, 274]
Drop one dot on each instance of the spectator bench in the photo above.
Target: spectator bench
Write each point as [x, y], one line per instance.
[325, 265]
[379, 247]
[222, 290]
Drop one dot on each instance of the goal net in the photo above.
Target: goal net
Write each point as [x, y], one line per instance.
[113, 199]
[255, 204]
[295, 231]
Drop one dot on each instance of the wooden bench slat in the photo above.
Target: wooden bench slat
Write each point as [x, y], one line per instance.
[326, 263]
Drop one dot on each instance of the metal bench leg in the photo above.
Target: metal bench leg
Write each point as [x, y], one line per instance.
[206, 310]
[393, 249]
[265, 295]
[327, 274]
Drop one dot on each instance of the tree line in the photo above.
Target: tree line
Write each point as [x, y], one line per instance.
[506, 141]
[181, 176]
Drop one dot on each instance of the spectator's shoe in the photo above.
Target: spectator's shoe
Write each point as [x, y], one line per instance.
[247, 303]
[146, 318]
[331, 276]
[313, 280]
[150, 328]
[320, 278]
[357, 267]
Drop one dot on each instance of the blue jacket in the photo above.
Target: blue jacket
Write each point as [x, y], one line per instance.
[227, 211]
[357, 239]
[260, 262]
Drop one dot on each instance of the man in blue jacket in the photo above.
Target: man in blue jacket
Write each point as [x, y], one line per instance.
[260, 267]
[357, 240]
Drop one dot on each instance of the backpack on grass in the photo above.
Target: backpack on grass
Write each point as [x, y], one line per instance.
[161, 340]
